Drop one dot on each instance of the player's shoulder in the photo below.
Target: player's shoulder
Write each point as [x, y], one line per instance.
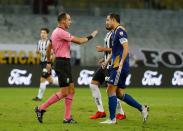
[121, 31]
[39, 41]
[121, 28]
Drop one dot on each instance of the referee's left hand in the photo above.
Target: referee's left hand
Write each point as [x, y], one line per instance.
[94, 33]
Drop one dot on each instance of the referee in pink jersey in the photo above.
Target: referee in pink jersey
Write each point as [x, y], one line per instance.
[61, 42]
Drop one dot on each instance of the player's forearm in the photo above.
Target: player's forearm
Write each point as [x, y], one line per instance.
[109, 58]
[103, 49]
[48, 52]
[107, 49]
[80, 40]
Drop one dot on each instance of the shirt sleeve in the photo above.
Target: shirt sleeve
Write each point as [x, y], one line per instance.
[67, 36]
[122, 35]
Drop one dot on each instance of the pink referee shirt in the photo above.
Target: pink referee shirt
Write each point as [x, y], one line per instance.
[61, 43]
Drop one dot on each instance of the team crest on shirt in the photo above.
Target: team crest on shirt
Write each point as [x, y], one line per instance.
[121, 33]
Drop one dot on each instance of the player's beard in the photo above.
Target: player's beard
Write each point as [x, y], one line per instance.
[108, 28]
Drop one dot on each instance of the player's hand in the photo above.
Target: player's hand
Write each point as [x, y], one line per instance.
[103, 65]
[99, 48]
[48, 67]
[100, 61]
[94, 33]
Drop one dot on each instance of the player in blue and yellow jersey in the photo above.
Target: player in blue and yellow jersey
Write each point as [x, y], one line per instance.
[119, 70]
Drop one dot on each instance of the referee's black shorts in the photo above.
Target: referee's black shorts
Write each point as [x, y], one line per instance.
[100, 75]
[63, 71]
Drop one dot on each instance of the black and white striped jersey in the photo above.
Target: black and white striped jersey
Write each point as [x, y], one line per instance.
[41, 47]
[107, 44]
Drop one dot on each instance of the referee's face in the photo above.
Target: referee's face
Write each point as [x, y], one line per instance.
[68, 21]
[109, 23]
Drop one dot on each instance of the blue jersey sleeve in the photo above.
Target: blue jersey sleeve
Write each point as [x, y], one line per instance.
[122, 35]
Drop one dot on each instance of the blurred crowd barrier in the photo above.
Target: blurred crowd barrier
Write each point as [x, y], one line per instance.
[147, 29]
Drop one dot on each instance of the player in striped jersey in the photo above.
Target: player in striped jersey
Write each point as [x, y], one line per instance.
[48, 76]
[100, 76]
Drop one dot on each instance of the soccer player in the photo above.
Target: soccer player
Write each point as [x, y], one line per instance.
[99, 77]
[119, 70]
[47, 77]
[61, 42]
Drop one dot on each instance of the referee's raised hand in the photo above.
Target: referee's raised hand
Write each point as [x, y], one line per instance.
[94, 33]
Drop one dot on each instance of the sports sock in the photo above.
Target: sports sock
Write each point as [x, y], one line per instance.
[132, 102]
[53, 99]
[97, 97]
[42, 89]
[119, 107]
[68, 105]
[112, 106]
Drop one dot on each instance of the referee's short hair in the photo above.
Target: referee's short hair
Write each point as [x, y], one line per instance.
[61, 16]
[115, 16]
[45, 29]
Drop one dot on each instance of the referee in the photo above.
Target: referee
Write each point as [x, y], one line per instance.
[61, 42]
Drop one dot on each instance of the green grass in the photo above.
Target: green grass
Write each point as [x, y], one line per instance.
[17, 114]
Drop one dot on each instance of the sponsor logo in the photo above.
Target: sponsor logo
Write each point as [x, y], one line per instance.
[85, 77]
[19, 77]
[177, 78]
[152, 78]
[171, 59]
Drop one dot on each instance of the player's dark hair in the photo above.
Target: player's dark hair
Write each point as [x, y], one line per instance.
[45, 29]
[115, 16]
[61, 16]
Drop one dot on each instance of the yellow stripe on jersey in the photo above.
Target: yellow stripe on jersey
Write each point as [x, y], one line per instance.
[116, 61]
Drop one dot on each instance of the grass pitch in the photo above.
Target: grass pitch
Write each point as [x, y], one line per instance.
[17, 111]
